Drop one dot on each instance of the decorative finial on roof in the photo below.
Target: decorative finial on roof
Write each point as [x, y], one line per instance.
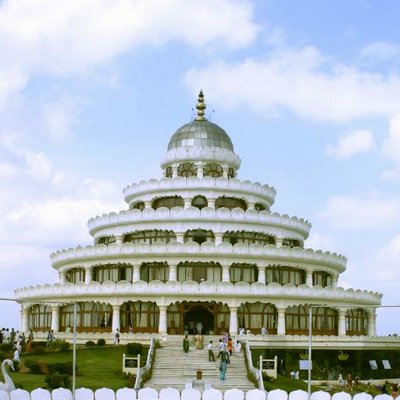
[201, 106]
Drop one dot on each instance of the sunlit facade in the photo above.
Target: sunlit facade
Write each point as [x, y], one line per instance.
[199, 245]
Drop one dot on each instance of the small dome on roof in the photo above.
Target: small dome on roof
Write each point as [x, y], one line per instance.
[200, 132]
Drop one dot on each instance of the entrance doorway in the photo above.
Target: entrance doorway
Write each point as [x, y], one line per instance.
[199, 318]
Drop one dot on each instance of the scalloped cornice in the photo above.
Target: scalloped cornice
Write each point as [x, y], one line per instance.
[164, 218]
[192, 185]
[289, 294]
[214, 154]
[224, 253]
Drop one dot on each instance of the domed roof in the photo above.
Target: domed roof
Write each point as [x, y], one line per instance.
[200, 132]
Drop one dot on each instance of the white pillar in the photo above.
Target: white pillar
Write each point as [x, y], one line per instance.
[309, 280]
[261, 274]
[251, 205]
[225, 273]
[55, 320]
[119, 239]
[335, 279]
[24, 318]
[211, 203]
[187, 203]
[233, 323]
[281, 328]
[371, 322]
[180, 237]
[147, 204]
[88, 275]
[162, 324]
[218, 238]
[116, 322]
[63, 277]
[341, 322]
[174, 171]
[172, 272]
[136, 273]
[279, 242]
[200, 170]
[225, 171]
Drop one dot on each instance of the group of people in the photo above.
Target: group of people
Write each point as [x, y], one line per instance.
[19, 341]
[225, 350]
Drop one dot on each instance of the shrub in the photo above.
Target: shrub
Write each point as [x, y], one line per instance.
[101, 342]
[34, 367]
[60, 345]
[55, 381]
[131, 381]
[90, 343]
[6, 347]
[62, 368]
[134, 349]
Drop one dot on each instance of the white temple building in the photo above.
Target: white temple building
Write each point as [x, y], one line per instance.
[201, 248]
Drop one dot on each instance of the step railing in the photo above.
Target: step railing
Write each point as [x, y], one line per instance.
[147, 368]
[254, 372]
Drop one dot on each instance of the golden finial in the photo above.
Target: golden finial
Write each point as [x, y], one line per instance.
[201, 106]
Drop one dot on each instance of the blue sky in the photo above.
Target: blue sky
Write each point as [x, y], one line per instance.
[309, 92]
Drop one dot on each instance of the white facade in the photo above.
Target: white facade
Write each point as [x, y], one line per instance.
[200, 245]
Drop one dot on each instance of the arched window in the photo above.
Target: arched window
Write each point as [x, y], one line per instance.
[112, 272]
[141, 316]
[254, 316]
[248, 238]
[199, 202]
[213, 169]
[139, 205]
[187, 169]
[106, 240]
[150, 236]
[322, 278]
[243, 273]
[356, 322]
[90, 317]
[39, 317]
[199, 272]
[199, 236]
[231, 173]
[260, 207]
[283, 275]
[75, 275]
[168, 202]
[291, 243]
[324, 320]
[154, 271]
[231, 203]
[168, 172]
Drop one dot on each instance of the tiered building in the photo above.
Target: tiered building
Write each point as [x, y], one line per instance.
[199, 245]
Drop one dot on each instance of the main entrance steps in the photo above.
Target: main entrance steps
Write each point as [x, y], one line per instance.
[174, 368]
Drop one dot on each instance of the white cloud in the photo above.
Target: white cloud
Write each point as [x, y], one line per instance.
[69, 38]
[318, 241]
[7, 170]
[60, 115]
[391, 145]
[355, 142]
[303, 81]
[380, 51]
[359, 212]
[391, 175]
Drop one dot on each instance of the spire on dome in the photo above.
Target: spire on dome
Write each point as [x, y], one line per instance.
[201, 106]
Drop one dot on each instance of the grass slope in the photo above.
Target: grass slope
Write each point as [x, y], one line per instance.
[97, 368]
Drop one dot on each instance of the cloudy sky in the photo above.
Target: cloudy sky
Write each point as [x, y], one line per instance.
[309, 92]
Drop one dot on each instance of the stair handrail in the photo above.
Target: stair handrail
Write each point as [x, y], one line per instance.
[251, 369]
[149, 365]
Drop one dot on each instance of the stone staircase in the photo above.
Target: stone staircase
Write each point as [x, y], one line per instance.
[174, 368]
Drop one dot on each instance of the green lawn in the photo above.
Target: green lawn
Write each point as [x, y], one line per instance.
[98, 367]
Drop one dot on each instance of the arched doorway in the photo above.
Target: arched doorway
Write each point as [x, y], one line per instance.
[198, 318]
